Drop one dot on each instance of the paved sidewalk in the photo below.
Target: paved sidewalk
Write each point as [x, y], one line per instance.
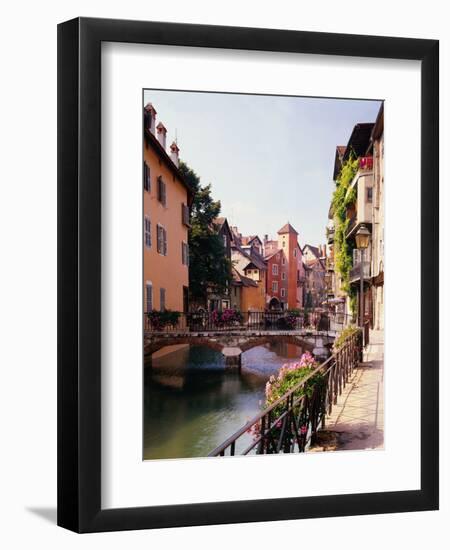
[357, 420]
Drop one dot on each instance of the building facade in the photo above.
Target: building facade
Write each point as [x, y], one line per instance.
[249, 263]
[365, 210]
[376, 148]
[167, 199]
[314, 259]
[288, 243]
[277, 280]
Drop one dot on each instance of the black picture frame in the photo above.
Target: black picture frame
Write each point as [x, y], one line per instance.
[79, 274]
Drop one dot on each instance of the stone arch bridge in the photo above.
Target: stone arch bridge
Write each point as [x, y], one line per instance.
[233, 344]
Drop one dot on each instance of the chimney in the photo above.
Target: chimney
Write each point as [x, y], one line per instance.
[266, 238]
[174, 151]
[161, 133]
[149, 117]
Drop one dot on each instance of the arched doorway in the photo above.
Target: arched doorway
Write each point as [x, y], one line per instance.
[274, 304]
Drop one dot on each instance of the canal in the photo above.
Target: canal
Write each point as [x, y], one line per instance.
[192, 404]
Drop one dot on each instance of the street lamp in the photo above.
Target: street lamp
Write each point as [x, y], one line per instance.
[362, 242]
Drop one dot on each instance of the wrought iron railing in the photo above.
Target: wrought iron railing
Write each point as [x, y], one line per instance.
[205, 321]
[291, 423]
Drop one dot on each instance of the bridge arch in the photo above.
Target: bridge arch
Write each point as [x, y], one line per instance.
[219, 342]
[154, 345]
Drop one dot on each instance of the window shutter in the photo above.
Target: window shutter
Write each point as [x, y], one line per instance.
[185, 214]
[147, 232]
[160, 189]
[164, 193]
[149, 297]
[165, 241]
[158, 238]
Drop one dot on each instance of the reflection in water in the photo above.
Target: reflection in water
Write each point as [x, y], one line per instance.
[192, 404]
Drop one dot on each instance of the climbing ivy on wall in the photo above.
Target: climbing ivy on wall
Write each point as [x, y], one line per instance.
[343, 197]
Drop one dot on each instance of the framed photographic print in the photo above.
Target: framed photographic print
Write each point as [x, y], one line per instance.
[248, 275]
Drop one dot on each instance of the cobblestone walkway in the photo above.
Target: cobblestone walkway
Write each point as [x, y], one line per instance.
[357, 420]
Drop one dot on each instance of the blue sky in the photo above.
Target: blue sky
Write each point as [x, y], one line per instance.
[269, 158]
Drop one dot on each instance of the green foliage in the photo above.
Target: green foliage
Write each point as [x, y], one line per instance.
[161, 319]
[346, 333]
[209, 267]
[289, 377]
[343, 197]
[353, 300]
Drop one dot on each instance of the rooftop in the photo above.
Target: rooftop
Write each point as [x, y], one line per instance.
[287, 228]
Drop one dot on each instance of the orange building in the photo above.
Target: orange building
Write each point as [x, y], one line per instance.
[277, 280]
[167, 199]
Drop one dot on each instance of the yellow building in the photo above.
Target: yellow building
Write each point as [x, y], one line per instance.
[167, 199]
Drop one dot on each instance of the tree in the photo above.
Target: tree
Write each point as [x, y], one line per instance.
[209, 267]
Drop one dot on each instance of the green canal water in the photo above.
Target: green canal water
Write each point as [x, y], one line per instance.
[192, 404]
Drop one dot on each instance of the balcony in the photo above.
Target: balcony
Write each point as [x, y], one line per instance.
[366, 163]
[355, 271]
[360, 212]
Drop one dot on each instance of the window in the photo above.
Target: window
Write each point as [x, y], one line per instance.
[185, 214]
[162, 191]
[283, 292]
[147, 181]
[275, 286]
[369, 194]
[162, 299]
[283, 261]
[184, 253]
[295, 252]
[274, 269]
[161, 235]
[147, 232]
[225, 241]
[283, 276]
[148, 296]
